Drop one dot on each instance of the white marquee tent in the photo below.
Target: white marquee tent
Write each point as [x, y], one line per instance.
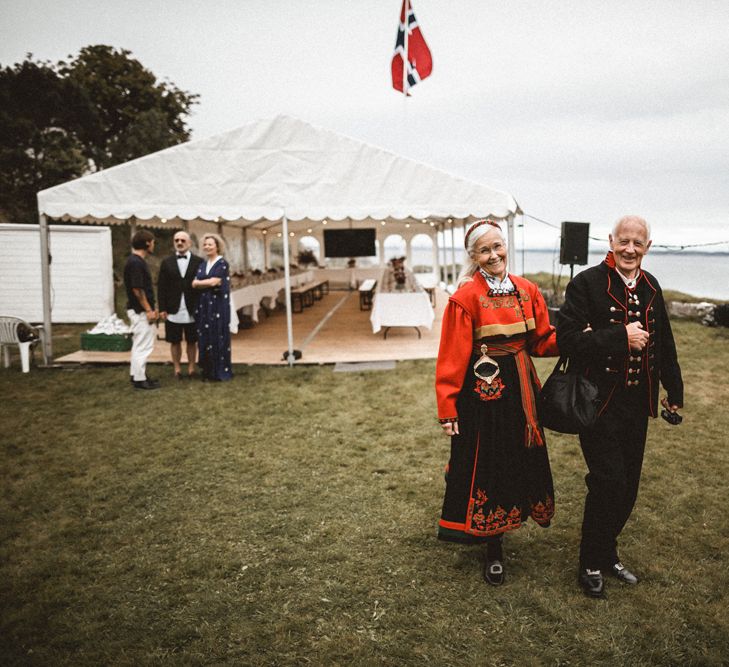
[281, 174]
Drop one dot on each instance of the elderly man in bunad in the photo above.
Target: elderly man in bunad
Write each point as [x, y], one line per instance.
[615, 329]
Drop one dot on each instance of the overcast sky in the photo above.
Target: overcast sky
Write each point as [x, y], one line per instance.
[584, 110]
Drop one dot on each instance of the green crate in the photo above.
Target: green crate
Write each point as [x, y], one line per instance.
[106, 342]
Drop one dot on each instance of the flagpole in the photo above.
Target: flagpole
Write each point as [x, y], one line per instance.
[406, 5]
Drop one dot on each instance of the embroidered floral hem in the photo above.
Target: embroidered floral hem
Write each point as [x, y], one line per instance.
[494, 481]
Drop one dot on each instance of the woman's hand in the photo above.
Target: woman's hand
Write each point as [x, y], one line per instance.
[450, 428]
[208, 282]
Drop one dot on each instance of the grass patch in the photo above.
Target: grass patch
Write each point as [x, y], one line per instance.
[288, 517]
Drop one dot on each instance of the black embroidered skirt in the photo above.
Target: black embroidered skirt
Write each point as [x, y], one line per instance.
[494, 482]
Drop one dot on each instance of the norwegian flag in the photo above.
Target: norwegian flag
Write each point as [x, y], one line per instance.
[419, 60]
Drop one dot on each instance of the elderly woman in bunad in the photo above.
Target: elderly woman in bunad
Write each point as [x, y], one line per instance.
[498, 474]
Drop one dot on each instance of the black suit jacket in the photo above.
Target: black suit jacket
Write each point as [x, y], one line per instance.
[598, 296]
[171, 285]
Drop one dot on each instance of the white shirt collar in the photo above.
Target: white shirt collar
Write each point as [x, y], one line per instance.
[495, 283]
[630, 283]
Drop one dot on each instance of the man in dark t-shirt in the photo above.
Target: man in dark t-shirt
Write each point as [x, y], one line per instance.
[140, 308]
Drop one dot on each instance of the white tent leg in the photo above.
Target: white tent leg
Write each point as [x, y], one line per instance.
[45, 250]
[453, 254]
[287, 285]
[244, 240]
[511, 248]
[25, 356]
[436, 263]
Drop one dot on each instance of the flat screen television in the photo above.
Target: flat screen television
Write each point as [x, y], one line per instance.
[349, 243]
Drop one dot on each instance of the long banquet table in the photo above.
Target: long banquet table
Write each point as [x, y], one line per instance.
[410, 307]
[249, 297]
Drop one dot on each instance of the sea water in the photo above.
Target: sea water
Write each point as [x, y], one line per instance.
[701, 274]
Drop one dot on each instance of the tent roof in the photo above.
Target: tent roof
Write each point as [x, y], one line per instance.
[256, 172]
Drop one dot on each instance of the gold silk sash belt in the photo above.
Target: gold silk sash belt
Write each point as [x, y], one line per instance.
[527, 375]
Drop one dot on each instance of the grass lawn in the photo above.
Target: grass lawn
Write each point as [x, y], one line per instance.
[288, 518]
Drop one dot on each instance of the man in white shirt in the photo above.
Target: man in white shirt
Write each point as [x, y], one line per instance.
[177, 301]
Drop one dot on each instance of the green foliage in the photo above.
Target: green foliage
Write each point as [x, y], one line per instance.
[138, 114]
[45, 122]
[58, 122]
[305, 257]
[288, 518]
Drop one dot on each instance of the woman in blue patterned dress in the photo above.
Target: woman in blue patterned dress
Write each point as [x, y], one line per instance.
[212, 317]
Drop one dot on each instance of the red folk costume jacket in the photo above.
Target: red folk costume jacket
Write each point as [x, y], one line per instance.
[472, 315]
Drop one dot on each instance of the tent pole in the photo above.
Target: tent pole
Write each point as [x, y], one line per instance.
[287, 287]
[441, 249]
[510, 242]
[436, 259]
[46, 289]
[245, 249]
[453, 252]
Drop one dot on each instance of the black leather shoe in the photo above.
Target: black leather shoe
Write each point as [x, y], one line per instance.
[592, 583]
[619, 571]
[493, 572]
[145, 384]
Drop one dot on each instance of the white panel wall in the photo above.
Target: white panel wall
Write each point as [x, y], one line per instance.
[82, 280]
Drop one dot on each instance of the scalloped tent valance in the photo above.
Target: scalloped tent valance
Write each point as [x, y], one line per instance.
[260, 170]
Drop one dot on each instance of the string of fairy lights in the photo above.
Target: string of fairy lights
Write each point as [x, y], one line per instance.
[440, 226]
[666, 246]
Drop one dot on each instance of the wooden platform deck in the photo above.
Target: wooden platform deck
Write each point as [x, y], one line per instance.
[332, 330]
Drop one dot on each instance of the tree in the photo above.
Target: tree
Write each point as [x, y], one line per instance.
[58, 122]
[138, 114]
[45, 120]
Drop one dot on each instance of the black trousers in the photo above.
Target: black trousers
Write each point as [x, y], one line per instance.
[613, 450]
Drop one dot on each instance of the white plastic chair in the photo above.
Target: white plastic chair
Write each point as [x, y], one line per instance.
[9, 336]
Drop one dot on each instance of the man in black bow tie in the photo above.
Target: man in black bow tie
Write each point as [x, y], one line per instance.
[177, 301]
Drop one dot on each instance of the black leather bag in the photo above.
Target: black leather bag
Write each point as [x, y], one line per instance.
[568, 400]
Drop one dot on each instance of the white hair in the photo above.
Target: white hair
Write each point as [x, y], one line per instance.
[471, 265]
[631, 218]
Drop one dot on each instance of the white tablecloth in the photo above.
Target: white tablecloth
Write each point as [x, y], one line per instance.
[410, 309]
[349, 277]
[249, 297]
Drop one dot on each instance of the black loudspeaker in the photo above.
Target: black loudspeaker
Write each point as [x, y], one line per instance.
[574, 244]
